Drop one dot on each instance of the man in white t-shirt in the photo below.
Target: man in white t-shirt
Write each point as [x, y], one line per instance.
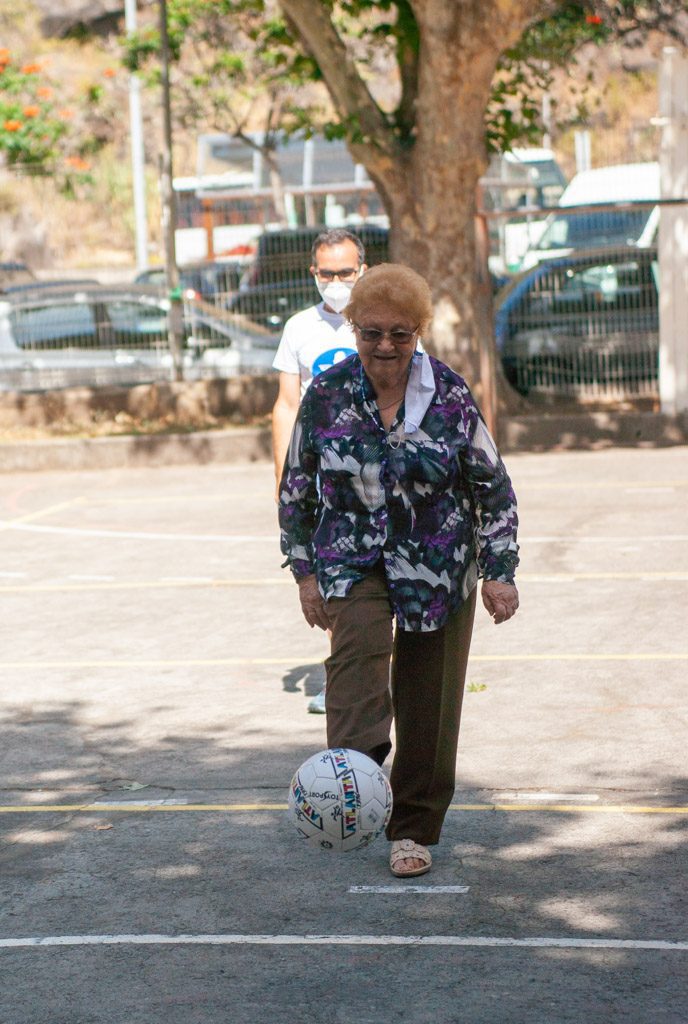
[315, 339]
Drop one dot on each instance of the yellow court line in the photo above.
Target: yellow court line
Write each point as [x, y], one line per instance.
[312, 658]
[591, 485]
[32, 516]
[38, 588]
[281, 581]
[124, 807]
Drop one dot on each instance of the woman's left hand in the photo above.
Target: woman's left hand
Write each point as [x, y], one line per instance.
[500, 599]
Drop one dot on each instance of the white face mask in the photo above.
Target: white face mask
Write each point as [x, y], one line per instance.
[335, 293]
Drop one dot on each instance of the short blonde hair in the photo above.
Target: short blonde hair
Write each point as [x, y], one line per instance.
[395, 287]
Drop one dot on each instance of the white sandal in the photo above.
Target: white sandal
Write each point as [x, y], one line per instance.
[407, 849]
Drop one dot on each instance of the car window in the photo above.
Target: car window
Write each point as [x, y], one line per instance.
[628, 284]
[136, 319]
[606, 227]
[53, 325]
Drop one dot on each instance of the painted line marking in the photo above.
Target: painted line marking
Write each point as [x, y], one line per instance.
[403, 890]
[24, 524]
[135, 806]
[13, 575]
[484, 941]
[21, 522]
[236, 538]
[550, 798]
[130, 804]
[575, 577]
[95, 583]
[589, 485]
[669, 538]
[166, 583]
[317, 658]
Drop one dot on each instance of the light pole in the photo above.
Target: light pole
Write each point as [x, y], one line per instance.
[137, 154]
[169, 220]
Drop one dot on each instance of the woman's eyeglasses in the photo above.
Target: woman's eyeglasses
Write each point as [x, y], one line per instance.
[373, 335]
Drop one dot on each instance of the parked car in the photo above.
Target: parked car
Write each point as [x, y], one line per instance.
[626, 183]
[13, 272]
[588, 319]
[57, 335]
[278, 283]
[213, 281]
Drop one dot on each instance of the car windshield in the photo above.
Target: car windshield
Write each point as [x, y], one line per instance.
[596, 228]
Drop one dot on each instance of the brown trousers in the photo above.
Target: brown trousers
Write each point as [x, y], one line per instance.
[428, 672]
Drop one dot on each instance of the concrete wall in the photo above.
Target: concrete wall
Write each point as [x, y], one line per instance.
[186, 404]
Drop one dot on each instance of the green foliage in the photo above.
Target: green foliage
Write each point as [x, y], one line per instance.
[30, 124]
[39, 132]
[248, 52]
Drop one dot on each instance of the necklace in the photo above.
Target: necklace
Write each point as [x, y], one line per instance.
[381, 408]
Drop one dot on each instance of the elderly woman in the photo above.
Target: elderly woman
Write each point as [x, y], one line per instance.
[393, 502]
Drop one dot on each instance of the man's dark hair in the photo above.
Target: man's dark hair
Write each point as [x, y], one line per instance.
[335, 236]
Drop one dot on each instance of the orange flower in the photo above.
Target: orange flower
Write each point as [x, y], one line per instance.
[109, 73]
[31, 69]
[32, 111]
[12, 126]
[66, 114]
[78, 163]
[44, 92]
[593, 19]
[4, 55]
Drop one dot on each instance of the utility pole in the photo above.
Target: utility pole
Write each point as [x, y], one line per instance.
[673, 234]
[169, 219]
[137, 153]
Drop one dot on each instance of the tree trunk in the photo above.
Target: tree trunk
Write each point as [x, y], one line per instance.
[433, 220]
[429, 188]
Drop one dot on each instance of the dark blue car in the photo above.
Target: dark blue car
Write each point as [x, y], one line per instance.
[584, 321]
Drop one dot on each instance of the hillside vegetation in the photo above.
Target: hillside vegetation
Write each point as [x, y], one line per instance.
[94, 228]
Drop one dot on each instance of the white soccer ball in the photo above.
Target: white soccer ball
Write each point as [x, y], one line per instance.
[340, 800]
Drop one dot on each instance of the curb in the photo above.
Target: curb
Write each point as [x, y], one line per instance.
[571, 432]
[249, 444]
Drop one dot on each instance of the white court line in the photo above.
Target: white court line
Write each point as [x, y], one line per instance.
[74, 531]
[341, 940]
[124, 804]
[249, 538]
[403, 890]
[635, 538]
[13, 575]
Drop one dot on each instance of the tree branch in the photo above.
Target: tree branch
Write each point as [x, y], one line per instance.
[407, 47]
[312, 24]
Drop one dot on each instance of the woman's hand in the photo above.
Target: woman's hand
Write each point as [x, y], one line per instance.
[312, 604]
[500, 599]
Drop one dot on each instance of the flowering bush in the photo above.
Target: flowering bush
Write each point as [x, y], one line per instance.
[29, 128]
[38, 131]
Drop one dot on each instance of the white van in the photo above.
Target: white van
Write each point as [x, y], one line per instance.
[566, 232]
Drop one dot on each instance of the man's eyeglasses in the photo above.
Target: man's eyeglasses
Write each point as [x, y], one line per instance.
[373, 335]
[347, 274]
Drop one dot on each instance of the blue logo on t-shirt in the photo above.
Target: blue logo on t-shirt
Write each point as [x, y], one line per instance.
[330, 358]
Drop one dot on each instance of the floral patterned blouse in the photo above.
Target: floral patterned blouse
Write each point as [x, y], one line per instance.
[436, 505]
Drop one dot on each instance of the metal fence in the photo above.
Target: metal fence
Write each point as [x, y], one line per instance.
[578, 324]
[93, 335]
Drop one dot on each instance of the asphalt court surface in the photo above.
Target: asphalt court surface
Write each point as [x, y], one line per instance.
[155, 675]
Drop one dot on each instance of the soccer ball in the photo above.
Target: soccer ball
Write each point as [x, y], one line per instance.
[340, 800]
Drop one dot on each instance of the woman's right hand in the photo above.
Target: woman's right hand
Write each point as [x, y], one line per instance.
[312, 604]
